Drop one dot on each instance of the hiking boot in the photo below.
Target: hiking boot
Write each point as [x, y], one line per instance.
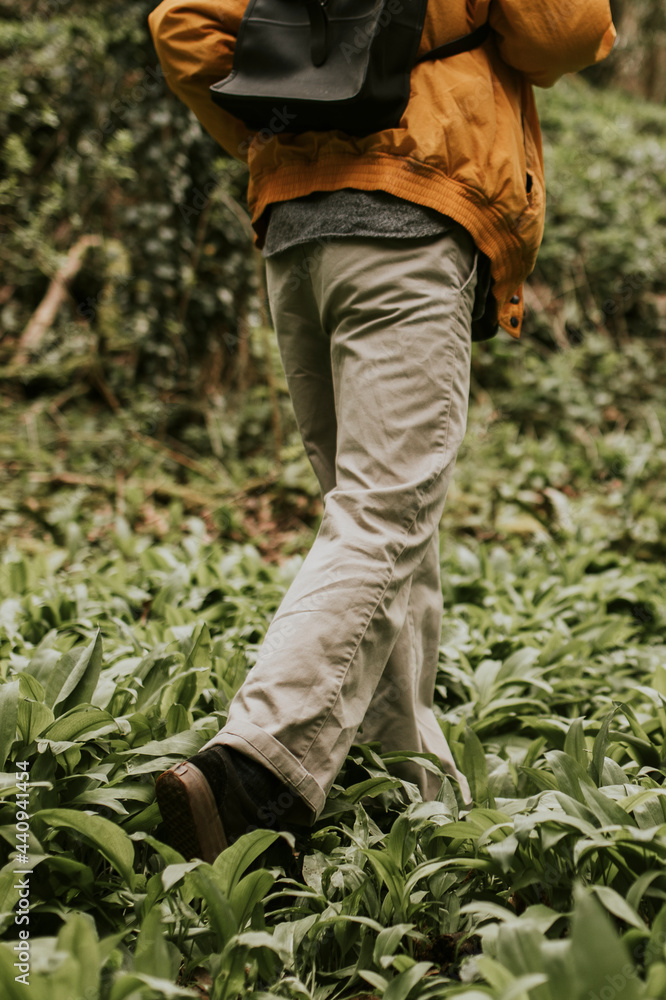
[213, 798]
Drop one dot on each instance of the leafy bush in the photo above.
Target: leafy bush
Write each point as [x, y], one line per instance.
[602, 260]
[94, 143]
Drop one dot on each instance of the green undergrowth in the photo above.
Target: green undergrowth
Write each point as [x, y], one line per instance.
[148, 534]
[119, 657]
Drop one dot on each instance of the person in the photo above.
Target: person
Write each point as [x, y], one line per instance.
[386, 257]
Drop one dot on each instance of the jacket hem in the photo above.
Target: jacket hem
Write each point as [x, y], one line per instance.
[414, 181]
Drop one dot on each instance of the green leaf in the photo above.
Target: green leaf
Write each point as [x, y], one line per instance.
[11, 990]
[604, 808]
[76, 723]
[74, 678]
[597, 952]
[222, 918]
[370, 788]
[151, 955]
[600, 746]
[388, 940]
[401, 841]
[131, 983]
[400, 987]
[248, 892]
[475, 767]
[231, 864]
[9, 704]
[574, 744]
[619, 907]
[568, 773]
[78, 938]
[33, 719]
[390, 875]
[112, 842]
[641, 885]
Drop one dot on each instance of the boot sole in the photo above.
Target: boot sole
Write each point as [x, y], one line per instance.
[190, 813]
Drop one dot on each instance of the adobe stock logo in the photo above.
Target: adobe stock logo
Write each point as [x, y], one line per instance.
[367, 32]
[278, 123]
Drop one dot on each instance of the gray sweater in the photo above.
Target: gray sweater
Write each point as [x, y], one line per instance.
[349, 212]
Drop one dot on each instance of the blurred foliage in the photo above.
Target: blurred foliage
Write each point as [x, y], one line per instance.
[93, 143]
[638, 60]
[602, 264]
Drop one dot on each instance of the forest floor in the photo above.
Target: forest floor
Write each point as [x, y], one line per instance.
[140, 568]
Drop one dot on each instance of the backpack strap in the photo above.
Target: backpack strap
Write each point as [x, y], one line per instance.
[318, 31]
[458, 45]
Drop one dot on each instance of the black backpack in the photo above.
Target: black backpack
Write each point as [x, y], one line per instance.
[315, 65]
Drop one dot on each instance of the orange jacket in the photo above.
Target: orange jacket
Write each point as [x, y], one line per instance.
[468, 144]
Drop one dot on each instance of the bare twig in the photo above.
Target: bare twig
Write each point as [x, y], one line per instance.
[175, 456]
[45, 313]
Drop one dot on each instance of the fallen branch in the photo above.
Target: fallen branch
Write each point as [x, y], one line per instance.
[195, 498]
[46, 312]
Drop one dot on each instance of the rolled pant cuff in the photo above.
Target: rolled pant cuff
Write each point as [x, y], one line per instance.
[265, 749]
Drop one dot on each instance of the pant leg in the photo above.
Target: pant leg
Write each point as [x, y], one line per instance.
[397, 315]
[400, 715]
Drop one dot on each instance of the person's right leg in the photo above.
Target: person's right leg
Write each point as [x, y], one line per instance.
[400, 715]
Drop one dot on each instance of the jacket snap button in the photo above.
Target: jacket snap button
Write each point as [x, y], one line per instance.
[515, 321]
[515, 300]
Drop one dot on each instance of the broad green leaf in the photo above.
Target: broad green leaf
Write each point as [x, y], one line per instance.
[574, 744]
[390, 875]
[131, 983]
[11, 990]
[379, 982]
[181, 745]
[9, 704]
[33, 718]
[401, 841]
[222, 918]
[568, 773]
[400, 987]
[605, 809]
[598, 954]
[370, 788]
[30, 686]
[151, 955]
[618, 906]
[174, 873]
[388, 940]
[251, 889]
[78, 938]
[112, 842]
[475, 768]
[640, 886]
[231, 864]
[76, 723]
[425, 870]
[601, 745]
[74, 677]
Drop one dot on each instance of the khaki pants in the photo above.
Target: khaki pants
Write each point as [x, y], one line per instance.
[375, 341]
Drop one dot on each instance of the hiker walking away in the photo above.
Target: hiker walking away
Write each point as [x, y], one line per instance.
[387, 254]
